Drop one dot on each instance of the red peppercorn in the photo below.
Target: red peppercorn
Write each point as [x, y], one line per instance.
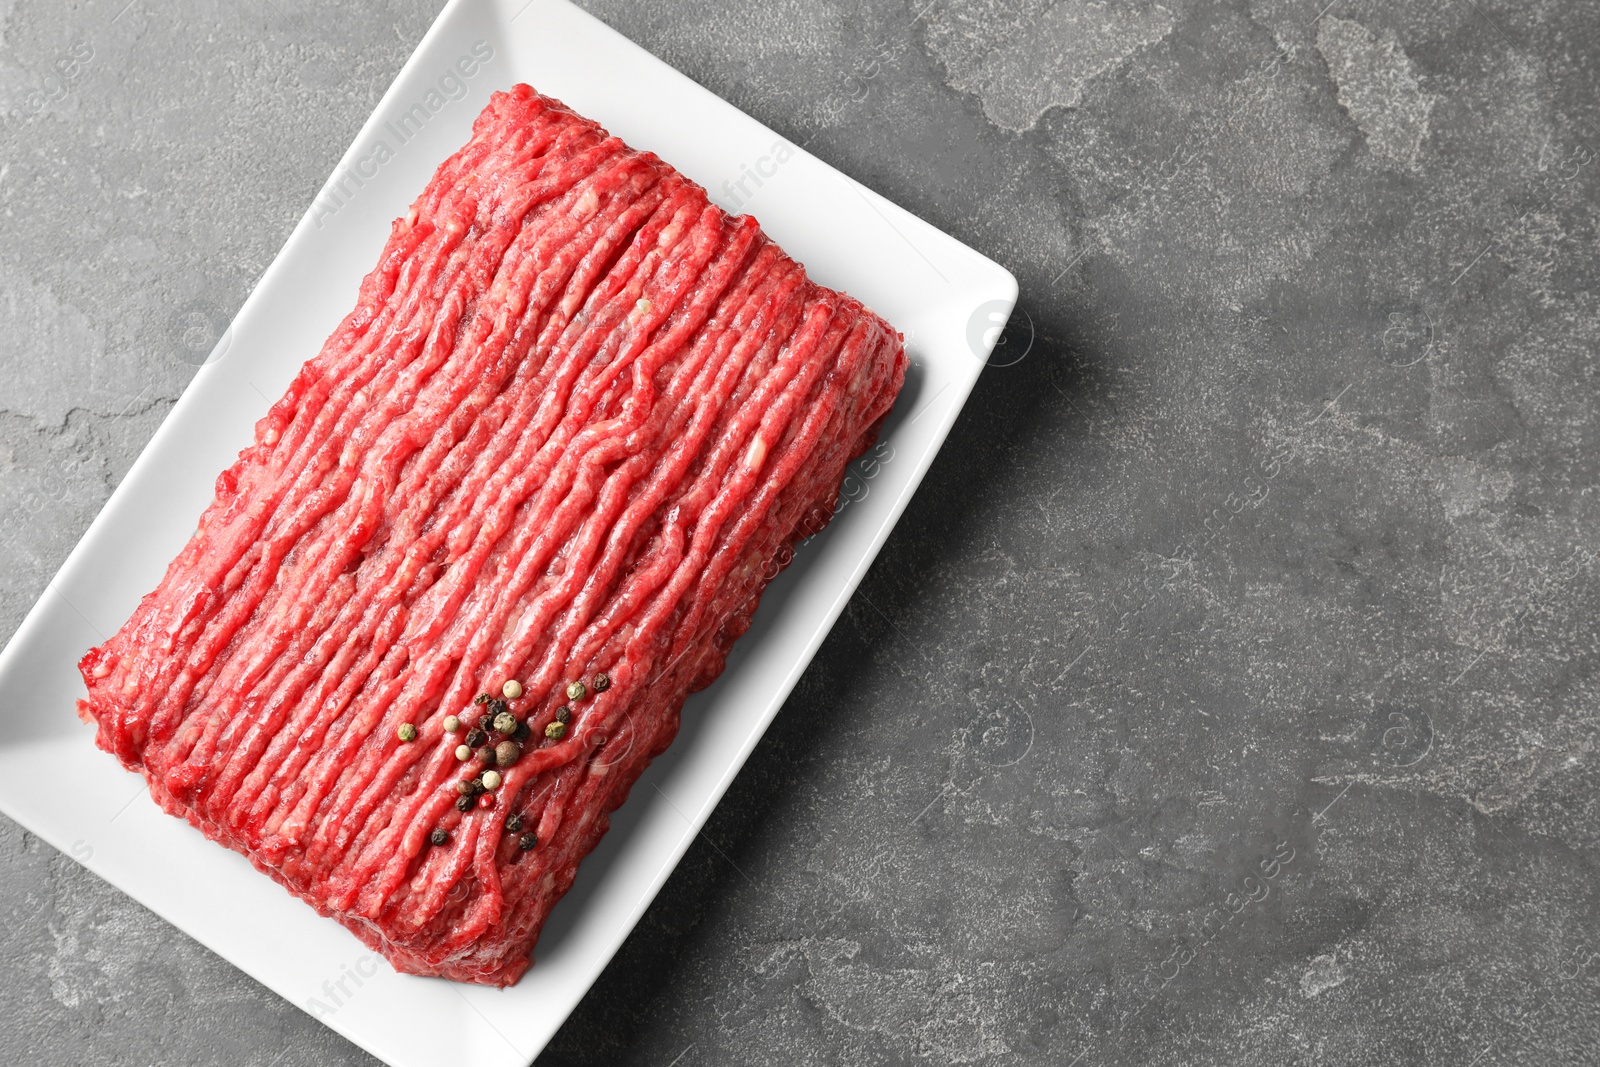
[486, 801]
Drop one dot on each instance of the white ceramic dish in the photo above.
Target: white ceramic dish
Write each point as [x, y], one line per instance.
[948, 299]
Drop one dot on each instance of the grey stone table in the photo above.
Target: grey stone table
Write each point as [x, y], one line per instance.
[1228, 693]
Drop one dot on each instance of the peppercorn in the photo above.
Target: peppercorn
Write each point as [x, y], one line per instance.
[505, 723]
[463, 752]
[464, 803]
[482, 698]
[476, 737]
[477, 786]
[563, 715]
[407, 732]
[491, 780]
[512, 689]
[506, 753]
[440, 837]
[486, 755]
[466, 787]
[486, 801]
[602, 682]
[451, 724]
[555, 730]
[497, 708]
[576, 690]
[523, 731]
[527, 842]
[514, 822]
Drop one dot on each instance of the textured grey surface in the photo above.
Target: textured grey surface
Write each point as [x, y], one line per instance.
[1272, 557]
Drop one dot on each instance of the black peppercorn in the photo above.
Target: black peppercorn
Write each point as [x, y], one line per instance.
[527, 842]
[602, 682]
[476, 736]
[464, 803]
[439, 837]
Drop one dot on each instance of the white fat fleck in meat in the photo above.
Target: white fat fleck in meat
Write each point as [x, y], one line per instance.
[587, 204]
[757, 454]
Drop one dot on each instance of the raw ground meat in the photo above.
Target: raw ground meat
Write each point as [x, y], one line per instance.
[575, 423]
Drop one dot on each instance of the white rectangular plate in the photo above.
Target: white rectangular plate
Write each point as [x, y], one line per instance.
[948, 299]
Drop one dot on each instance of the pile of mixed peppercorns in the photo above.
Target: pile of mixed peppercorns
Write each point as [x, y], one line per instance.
[498, 720]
